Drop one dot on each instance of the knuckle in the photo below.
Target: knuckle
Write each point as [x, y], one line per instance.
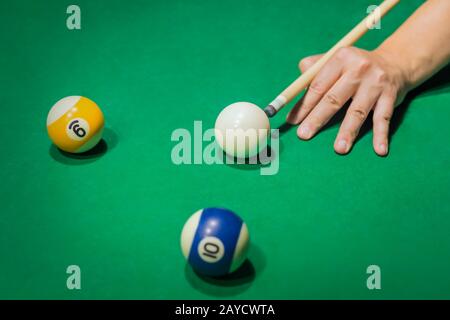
[344, 53]
[317, 87]
[382, 118]
[358, 113]
[362, 64]
[380, 76]
[306, 107]
[333, 100]
[303, 64]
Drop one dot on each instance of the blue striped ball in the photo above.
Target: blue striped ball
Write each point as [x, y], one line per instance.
[214, 241]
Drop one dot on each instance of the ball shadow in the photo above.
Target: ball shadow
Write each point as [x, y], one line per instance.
[256, 255]
[262, 159]
[229, 285]
[232, 284]
[107, 143]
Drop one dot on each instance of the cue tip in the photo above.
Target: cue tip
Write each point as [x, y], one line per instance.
[270, 111]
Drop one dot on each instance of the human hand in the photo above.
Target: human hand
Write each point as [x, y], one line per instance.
[372, 80]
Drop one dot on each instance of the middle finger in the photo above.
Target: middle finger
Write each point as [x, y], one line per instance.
[327, 107]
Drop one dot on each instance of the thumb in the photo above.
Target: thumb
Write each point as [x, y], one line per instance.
[307, 62]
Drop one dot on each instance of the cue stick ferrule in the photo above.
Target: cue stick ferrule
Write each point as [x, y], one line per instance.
[270, 111]
[275, 105]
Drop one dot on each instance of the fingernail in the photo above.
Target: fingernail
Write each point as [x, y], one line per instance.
[305, 133]
[342, 145]
[383, 148]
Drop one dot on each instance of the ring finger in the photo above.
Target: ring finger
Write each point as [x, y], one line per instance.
[364, 101]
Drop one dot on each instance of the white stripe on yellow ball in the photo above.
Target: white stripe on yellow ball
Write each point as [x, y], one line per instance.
[61, 107]
[92, 142]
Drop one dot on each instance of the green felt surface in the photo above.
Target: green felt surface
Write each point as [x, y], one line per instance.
[154, 66]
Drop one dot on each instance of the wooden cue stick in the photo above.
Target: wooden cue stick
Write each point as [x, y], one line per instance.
[306, 78]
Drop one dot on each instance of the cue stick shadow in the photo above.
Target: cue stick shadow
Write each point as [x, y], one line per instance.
[106, 144]
[232, 284]
[439, 83]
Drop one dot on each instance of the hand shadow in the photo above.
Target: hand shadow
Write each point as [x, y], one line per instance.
[439, 83]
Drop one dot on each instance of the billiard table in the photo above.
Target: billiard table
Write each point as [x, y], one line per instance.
[317, 224]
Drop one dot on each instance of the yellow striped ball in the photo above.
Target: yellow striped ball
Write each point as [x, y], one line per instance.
[75, 124]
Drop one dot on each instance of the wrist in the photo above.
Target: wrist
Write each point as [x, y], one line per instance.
[399, 64]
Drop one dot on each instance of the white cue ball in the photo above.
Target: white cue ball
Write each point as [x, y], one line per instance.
[242, 130]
